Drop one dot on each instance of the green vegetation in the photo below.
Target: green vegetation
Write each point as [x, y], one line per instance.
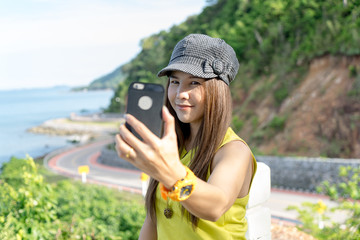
[109, 81]
[267, 132]
[237, 123]
[277, 123]
[272, 37]
[275, 42]
[31, 208]
[281, 94]
[315, 217]
[353, 71]
[354, 92]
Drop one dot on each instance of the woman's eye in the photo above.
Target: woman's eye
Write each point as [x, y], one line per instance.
[195, 83]
[174, 82]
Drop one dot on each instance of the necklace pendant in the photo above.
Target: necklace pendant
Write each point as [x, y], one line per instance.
[168, 212]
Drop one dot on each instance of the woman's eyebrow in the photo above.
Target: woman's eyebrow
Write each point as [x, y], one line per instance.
[172, 76]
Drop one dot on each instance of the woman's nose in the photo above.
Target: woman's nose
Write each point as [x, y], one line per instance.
[182, 92]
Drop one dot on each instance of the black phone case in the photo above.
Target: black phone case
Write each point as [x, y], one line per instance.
[151, 117]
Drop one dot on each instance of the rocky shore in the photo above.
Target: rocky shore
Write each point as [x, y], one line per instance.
[77, 131]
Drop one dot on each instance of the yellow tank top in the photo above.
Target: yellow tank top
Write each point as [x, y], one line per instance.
[231, 225]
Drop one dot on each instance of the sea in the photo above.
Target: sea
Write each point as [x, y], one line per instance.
[26, 108]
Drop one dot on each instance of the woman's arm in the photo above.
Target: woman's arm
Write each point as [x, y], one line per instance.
[159, 158]
[148, 230]
[230, 178]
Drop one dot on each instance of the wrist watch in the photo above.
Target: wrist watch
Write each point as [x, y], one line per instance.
[182, 189]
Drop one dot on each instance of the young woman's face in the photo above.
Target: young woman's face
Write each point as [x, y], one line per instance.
[187, 97]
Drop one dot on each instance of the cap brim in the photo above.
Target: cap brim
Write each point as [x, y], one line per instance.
[187, 68]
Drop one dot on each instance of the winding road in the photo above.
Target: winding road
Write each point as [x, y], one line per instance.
[67, 161]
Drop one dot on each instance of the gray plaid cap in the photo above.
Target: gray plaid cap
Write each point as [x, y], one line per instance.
[205, 57]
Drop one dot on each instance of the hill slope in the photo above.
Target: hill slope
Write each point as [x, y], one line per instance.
[297, 90]
[110, 80]
[321, 115]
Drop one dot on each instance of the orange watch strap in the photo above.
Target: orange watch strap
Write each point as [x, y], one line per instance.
[177, 193]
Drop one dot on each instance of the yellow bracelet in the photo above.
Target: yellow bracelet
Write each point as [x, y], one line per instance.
[182, 189]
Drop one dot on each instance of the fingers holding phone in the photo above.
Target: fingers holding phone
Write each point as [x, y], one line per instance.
[141, 142]
[123, 150]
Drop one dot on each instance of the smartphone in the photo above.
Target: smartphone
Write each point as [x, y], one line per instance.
[145, 102]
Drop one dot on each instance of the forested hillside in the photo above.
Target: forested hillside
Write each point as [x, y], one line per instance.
[108, 81]
[298, 88]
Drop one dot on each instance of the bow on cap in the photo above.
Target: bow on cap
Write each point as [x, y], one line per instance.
[218, 67]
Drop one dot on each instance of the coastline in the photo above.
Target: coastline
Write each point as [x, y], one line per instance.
[24, 109]
[79, 128]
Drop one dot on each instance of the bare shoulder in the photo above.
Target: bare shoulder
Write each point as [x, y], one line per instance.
[235, 152]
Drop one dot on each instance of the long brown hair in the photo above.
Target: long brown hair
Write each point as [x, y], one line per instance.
[216, 120]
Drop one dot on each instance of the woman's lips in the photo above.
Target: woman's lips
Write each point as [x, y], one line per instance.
[183, 106]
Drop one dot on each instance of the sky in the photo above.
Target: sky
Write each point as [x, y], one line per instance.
[47, 43]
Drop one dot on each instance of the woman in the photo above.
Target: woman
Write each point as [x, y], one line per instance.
[201, 170]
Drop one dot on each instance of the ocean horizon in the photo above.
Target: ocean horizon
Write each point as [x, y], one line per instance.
[21, 109]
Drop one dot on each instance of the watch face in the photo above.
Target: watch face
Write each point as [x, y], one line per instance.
[186, 191]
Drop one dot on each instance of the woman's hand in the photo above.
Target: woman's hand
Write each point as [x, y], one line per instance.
[157, 157]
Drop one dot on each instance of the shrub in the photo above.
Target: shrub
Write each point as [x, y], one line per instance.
[352, 71]
[278, 123]
[237, 124]
[347, 196]
[281, 94]
[27, 204]
[30, 208]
